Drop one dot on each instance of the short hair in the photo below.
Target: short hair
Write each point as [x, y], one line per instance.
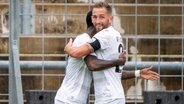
[88, 19]
[103, 4]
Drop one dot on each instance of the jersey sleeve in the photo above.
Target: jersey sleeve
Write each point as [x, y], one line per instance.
[81, 39]
[103, 38]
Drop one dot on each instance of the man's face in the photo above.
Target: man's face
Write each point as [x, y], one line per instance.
[101, 18]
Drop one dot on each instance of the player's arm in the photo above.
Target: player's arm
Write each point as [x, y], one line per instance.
[82, 50]
[95, 64]
[145, 73]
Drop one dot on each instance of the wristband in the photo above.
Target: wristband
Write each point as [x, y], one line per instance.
[137, 73]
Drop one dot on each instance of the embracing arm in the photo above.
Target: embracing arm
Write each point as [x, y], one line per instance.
[127, 74]
[145, 73]
[95, 64]
[78, 52]
[83, 50]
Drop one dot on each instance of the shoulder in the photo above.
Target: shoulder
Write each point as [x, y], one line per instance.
[102, 34]
[108, 30]
[114, 32]
[111, 28]
[81, 39]
[83, 35]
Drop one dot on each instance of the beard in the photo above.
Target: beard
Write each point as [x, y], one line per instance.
[100, 27]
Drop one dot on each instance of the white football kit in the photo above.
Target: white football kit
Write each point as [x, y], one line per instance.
[76, 83]
[107, 83]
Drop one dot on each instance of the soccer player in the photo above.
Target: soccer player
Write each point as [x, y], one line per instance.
[76, 84]
[107, 45]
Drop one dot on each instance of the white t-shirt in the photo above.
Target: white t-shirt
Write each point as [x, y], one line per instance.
[107, 83]
[76, 84]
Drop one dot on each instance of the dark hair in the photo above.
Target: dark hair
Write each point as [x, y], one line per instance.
[88, 19]
[105, 5]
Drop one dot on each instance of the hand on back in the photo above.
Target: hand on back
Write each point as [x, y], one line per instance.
[122, 58]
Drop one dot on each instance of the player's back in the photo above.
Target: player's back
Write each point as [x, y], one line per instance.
[76, 83]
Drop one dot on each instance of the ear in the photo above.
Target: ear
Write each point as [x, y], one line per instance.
[111, 19]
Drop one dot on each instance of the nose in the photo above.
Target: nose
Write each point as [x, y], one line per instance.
[98, 20]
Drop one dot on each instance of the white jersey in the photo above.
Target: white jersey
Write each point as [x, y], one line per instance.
[76, 84]
[107, 83]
